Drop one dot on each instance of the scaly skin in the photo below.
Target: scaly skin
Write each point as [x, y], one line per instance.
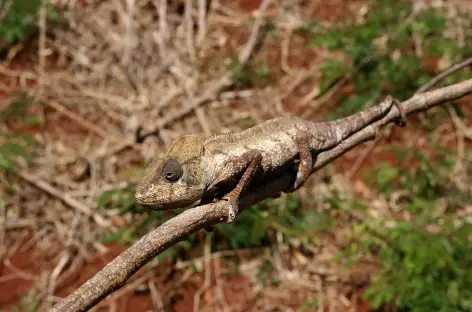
[201, 169]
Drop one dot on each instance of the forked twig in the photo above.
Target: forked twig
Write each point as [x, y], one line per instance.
[445, 74]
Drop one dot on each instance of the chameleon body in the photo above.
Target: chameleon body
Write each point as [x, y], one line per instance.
[198, 169]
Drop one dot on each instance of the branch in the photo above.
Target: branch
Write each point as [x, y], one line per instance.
[117, 272]
[445, 74]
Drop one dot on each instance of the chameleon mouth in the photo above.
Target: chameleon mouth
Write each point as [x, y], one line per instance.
[152, 207]
[146, 201]
[149, 206]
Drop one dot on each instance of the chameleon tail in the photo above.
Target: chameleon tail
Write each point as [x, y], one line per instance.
[334, 132]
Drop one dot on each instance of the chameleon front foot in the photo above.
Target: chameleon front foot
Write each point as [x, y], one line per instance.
[246, 164]
[232, 208]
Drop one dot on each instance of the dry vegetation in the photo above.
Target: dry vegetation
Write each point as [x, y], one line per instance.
[111, 83]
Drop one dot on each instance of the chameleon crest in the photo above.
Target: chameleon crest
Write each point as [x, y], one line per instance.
[176, 180]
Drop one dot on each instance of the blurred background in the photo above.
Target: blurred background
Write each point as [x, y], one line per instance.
[92, 91]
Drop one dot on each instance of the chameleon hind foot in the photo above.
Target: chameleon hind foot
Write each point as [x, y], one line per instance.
[306, 161]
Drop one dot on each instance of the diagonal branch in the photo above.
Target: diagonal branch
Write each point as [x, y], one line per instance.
[117, 272]
[445, 74]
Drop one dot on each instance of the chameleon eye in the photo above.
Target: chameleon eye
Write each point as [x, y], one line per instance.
[172, 171]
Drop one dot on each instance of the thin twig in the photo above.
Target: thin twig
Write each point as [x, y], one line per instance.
[41, 50]
[189, 30]
[189, 85]
[202, 12]
[155, 296]
[444, 74]
[163, 34]
[69, 201]
[459, 165]
[65, 257]
[207, 280]
[83, 122]
[460, 132]
[219, 287]
[246, 53]
[327, 96]
[360, 160]
[128, 39]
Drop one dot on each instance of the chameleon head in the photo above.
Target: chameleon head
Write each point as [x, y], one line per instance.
[176, 181]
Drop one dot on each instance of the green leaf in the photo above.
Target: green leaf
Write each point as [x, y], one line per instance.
[14, 147]
[386, 174]
[332, 69]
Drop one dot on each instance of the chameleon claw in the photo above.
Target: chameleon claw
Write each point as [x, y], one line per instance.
[231, 215]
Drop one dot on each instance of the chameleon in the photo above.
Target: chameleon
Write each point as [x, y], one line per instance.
[198, 169]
